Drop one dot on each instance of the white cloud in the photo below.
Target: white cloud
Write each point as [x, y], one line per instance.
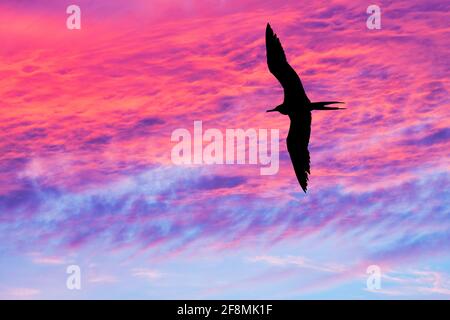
[412, 282]
[22, 293]
[297, 261]
[47, 260]
[148, 274]
[102, 279]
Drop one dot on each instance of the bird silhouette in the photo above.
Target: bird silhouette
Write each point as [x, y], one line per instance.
[296, 105]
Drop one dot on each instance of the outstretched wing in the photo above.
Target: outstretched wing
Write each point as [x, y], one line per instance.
[280, 68]
[297, 145]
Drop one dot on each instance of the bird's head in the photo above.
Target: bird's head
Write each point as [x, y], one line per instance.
[277, 108]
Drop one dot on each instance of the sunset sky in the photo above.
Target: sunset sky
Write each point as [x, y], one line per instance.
[86, 176]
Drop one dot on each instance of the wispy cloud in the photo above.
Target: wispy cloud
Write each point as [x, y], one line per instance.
[148, 274]
[40, 259]
[22, 293]
[87, 116]
[297, 262]
[101, 279]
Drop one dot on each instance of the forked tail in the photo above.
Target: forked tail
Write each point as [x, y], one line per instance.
[322, 105]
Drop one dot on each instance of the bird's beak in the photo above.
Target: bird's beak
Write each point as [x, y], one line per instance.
[271, 110]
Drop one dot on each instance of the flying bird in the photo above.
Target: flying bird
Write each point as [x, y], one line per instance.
[296, 105]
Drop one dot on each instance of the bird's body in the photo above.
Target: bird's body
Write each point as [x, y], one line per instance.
[296, 105]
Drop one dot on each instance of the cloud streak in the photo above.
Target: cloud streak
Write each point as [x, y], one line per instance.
[87, 117]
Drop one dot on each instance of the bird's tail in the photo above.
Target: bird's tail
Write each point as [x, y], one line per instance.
[322, 105]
